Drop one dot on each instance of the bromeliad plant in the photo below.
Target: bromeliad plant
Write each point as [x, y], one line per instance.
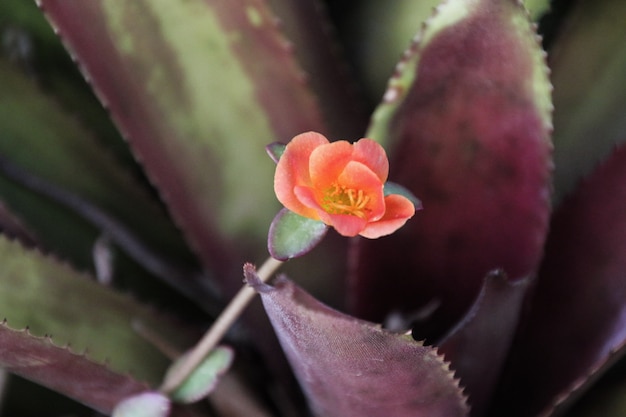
[502, 296]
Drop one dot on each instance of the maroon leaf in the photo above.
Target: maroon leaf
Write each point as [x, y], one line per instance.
[349, 367]
[578, 313]
[477, 347]
[468, 121]
[198, 88]
[39, 360]
[13, 227]
[306, 24]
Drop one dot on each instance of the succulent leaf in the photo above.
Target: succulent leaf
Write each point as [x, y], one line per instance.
[145, 404]
[479, 344]
[577, 314]
[275, 150]
[50, 298]
[393, 188]
[467, 118]
[205, 377]
[58, 368]
[588, 117]
[292, 235]
[349, 367]
[378, 50]
[186, 75]
[306, 24]
[63, 152]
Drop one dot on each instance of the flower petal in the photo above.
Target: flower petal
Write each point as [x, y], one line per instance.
[307, 197]
[357, 176]
[399, 210]
[327, 162]
[347, 225]
[293, 170]
[372, 154]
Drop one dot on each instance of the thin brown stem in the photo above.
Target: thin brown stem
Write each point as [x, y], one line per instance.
[217, 331]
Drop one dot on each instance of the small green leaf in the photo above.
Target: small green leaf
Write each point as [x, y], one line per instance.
[393, 188]
[292, 235]
[146, 404]
[275, 150]
[205, 377]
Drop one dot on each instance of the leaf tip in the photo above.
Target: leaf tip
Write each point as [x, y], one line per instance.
[275, 150]
[253, 280]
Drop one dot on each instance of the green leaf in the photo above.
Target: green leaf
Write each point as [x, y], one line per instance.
[589, 98]
[147, 404]
[205, 377]
[48, 297]
[39, 137]
[198, 88]
[393, 188]
[292, 235]
[275, 150]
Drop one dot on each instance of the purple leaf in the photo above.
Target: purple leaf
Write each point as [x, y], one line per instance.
[349, 367]
[306, 24]
[477, 347]
[467, 120]
[39, 360]
[578, 313]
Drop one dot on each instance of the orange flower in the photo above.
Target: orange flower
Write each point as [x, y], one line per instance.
[341, 184]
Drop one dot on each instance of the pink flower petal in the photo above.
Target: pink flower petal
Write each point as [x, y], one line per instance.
[348, 225]
[357, 176]
[293, 170]
[372, 154]
[399, 210]
[327, 162]
[307, 196]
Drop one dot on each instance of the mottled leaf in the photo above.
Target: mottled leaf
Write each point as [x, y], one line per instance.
[577, 316]
[348, 367]
[467, 119]
[589, 104]
[50, 298]
[478, 346]
[377, 51]
[58, 368]
[198, 88]
[31, 45]
[40, 138]
[537, 8]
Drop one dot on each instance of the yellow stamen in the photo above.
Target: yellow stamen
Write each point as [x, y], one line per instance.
[342, 200]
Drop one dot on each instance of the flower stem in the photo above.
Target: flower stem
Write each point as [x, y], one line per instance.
[217, 331]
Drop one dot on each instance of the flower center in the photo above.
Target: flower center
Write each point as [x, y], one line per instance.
[341, 200]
